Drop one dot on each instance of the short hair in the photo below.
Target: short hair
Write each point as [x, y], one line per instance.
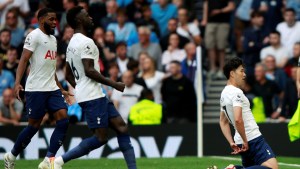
[232, 65]
[255, 14]
[175, 62]
[132, 64]
[297, 43]
[121, 11]
[113, 65]
[43, 12]
[262, 65]
[290, 10]
[72, 14]
[275, 32]
[146, 94]
[144, 29]
[121, 43]
[84, 1]
[5, 30]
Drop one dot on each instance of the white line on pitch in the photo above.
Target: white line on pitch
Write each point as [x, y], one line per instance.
[237, 159]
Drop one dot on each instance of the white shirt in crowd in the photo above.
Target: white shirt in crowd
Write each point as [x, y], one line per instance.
[127, 99]
[82, 47]
[154, 83]
[168, 56]
[122, 65]
[280, 53]
[42, 61]
[231, 97]
[193, 30]
[289, 35]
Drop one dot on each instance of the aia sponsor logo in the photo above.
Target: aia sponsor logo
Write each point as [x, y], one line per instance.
[51, 55]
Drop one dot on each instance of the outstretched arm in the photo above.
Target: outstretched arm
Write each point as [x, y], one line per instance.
[98, 77]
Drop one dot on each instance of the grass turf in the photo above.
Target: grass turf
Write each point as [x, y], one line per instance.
[155, 163]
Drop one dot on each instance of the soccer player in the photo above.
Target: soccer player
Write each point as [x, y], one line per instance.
[83, 73]
[235, 110]
[42, 89]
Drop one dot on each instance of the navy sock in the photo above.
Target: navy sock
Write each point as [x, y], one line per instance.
[238, 167]
[23, 140]
[57, 137]
[257, 167]
[83, 148]
[127, 150]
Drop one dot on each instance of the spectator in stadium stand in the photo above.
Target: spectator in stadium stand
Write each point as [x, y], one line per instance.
[111, 16]
[188, 29]
[189, 64]
[22, 6]
[12, 61]
[267, 89]
[153, 49]
[123, 3]
[11, 23]
[272, 11]
[295, 4]
[172, 53]
[146, 111]
[172, 28]
[162, 12]
[10, 108]
[135, 10]
[113, 72]
[254, 38]
[84, 4]
[216, 17]
[274, 73]
[122, 28]
[67, 5]
[64, 41]
[241, 22]
[179, 96]
[290, 100]
[275, 49]
[289, 30]
[148, 21]
[122, 59]
[124, 100]
[7, 79]
[152, 77]
[133, 66]
[294, 60]
[5, 37]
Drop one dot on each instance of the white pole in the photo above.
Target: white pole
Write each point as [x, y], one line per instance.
[200, 95]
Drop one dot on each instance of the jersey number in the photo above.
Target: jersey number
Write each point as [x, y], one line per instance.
[224, 107]
[75, 72]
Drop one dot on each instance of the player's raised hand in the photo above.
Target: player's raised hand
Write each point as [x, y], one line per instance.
[67, 96]
[119, 86]
[235, 148]
[245, 147]
[17, 90]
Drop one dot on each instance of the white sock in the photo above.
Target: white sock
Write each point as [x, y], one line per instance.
[59, 160]
[11, 156]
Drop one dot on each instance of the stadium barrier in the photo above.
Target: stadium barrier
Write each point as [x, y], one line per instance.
[150, 141]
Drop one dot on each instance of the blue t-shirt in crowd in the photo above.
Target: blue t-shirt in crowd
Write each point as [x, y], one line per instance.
[75, 110]
[7, 80]
[123, 33]
[134, 38]
[17, 36]
[163, 15]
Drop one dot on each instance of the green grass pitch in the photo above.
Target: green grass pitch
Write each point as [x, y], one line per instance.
[158, 163]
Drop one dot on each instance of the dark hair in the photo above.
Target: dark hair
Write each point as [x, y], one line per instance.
[121, 43]
[146, 94]
[297, 43]
[175, 62]
[121, 11]
[43, 12]
[232, 65]
[83, 1]
[5, 30]
[132, 64]
[13, 48]
[255, 14]
[113, 65]
[275, 32]
[71, 16]
[290, 10]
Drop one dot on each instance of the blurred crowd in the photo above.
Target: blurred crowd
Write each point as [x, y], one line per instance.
[150, 45]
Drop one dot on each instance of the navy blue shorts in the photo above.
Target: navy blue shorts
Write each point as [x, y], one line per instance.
[38, 103]
[258, 153]
[97, 112]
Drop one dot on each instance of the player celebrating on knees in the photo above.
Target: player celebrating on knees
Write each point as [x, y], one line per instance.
[42, 89]
[235, 109]
[83, 73]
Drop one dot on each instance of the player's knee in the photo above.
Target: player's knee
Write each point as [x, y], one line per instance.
[102, 137]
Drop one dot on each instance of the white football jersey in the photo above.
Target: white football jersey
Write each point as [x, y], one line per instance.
[234, 97]
[42, 62]
[82, 47]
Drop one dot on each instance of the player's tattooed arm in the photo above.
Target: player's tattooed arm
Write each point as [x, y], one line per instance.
[69, 75]
[92, 73]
